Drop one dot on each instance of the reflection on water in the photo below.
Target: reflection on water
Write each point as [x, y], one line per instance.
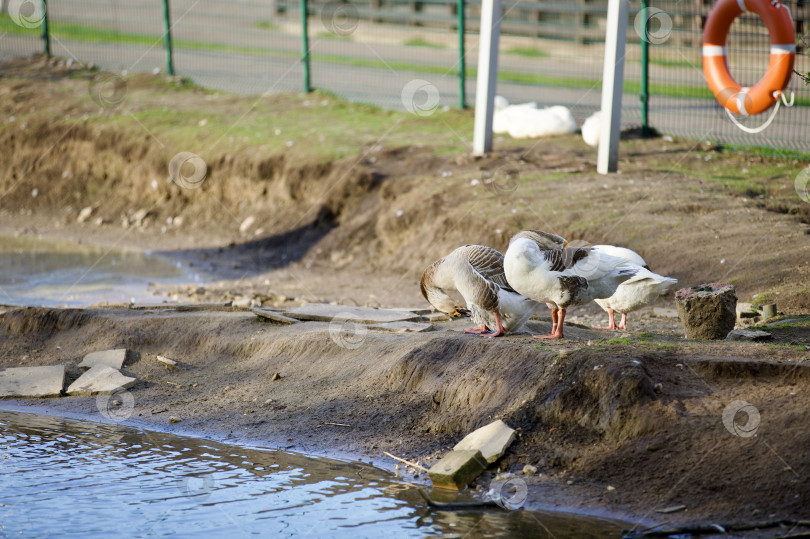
[61, 477]
[46, 272]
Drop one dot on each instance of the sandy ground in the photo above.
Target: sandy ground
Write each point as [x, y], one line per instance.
[624, 423]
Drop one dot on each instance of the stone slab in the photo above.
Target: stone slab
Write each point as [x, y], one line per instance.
[110, 358]
[324, 312]
[491, 440]
[436, 317]
[457, 469]
[32, 381]
[747, 335]
[100, 380]
[402, 327]
[185, 307]
[273, 316]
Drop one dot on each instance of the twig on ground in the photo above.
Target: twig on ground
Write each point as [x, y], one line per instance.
[412, 464]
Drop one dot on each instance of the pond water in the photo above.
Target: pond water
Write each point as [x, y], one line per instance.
[68, 478]
[45, 272]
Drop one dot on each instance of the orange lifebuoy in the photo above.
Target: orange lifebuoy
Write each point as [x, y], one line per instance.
[766, 92]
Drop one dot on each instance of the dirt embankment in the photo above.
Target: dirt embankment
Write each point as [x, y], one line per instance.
[643, 416]
[692, 210]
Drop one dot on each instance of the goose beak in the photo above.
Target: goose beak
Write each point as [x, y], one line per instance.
[565, 244]
[458, 313]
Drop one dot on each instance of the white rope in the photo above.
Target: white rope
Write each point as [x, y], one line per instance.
[754, 130]
[763, 127]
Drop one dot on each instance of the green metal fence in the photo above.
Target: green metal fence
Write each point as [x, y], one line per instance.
[370, 50]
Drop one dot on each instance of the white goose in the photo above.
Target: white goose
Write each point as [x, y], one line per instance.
[640, 290]
[562, 277]
[477, 273]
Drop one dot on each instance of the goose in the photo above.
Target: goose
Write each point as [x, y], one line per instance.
[561, 277]
[476, 271]
[526, 120]
[640, 290]
[591, 129]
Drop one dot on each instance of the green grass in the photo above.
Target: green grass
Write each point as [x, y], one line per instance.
[267, 25]
[529, 52]
[421, 42]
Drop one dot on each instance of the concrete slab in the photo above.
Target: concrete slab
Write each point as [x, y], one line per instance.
[273, 316]
[100, 380]
[32, 381]
[403, 327]
[457, 469]
[324, 312]
[491, 440]
[436, 317]
[110, 358]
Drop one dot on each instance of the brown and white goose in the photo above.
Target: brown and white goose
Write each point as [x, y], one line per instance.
[476, 272]
[561, 277]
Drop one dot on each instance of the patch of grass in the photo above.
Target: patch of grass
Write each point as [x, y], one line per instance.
[530, 52]
[331, 35]
[267, 25]
[422, 42]
[619, 340]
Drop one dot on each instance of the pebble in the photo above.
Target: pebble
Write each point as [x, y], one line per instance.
[276, 377]
[529, 469]
[173, 419]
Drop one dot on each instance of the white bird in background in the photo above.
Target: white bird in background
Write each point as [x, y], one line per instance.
[476, 272]
[591, 129]
[640, 290]
[527, 121]
[562, 277]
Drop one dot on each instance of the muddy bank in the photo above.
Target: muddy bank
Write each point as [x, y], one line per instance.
[628, 425]
[331, 194]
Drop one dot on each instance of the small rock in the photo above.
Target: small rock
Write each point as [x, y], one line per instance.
[85, 214]
[747, 335]
[529, 469]
[139, 216]
[707, 311]
[569, 482]
[275, 377]
[610, 488]
[167, 361]
[658, 387]
[173, 419]
[242, 302]
[246, 224]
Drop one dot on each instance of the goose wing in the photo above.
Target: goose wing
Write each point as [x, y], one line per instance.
[488, 262]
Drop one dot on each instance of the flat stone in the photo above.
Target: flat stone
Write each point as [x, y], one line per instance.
[707, 311]
[436, 317]
[784, 321]
[323, 312]
[100, 379]
[32, 381]
[402, 327]
[747, 335]
[273, 316]
[222, 306]
[417, 310]
[110, 358]
[167, 361]
[746, 310]
[491, 440]
[457, 469]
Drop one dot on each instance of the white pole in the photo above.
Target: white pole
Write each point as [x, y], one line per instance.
[487, 75]
[612, 80]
